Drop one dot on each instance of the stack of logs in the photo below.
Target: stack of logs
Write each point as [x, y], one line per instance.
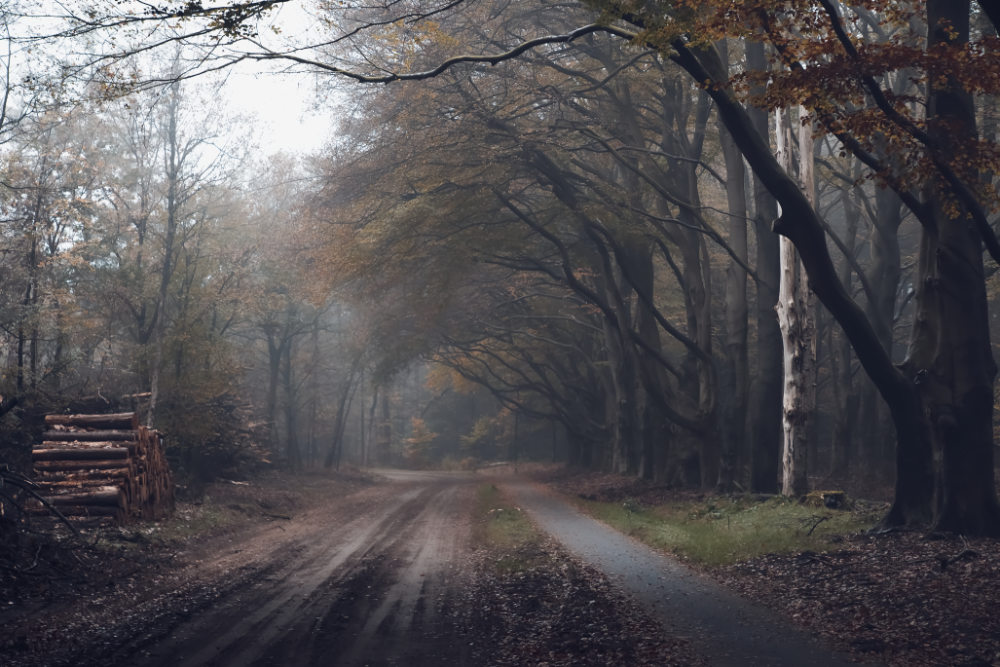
[103, 466]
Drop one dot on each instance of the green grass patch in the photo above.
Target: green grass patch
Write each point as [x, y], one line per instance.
[722, 530]
[511, 541]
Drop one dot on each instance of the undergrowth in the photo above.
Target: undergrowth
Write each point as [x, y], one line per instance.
[722, 530]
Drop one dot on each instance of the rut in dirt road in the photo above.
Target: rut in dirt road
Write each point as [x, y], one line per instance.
[379, 589]
[391, 575]
[722, 627]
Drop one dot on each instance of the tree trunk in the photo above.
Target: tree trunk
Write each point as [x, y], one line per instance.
[312, 441]
[292, 448]
[622, 400]
[845, 398]
[876, 441]
[274, 349]
[733, 428]
[334, 454]
[951, 358]
[370, 439]
[638, 253]
[172, 168]
[800, 223]
[383, 433]
[798, 332]
[765, 410]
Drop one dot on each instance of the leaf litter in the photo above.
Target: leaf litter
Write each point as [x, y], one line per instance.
[900, 598]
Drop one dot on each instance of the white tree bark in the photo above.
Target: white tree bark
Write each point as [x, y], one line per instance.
[798, 328]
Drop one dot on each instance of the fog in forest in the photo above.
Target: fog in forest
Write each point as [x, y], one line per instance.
[713, 250]
[563, 257]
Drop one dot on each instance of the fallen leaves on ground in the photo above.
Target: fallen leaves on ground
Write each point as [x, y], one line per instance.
[560, 612]
[898, 598]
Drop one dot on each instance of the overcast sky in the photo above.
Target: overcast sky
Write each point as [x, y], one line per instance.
[283, 107]
[283, 103]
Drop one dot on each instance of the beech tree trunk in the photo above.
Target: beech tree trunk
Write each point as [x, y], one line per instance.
[876, 440]
[696, 274]
[736, 369]
[765, 401]
[639, 254]
[800, 223]
[845, 397]
[951, 360]
[798, 332]
[622, 398]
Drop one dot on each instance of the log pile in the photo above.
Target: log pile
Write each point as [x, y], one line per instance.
[103, 466]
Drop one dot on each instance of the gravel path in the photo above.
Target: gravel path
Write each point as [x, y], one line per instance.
[723, 627]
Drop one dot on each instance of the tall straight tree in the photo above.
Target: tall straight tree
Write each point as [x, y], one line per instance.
[951, 359]
[798, 329]
[737, 362]
[942, 397]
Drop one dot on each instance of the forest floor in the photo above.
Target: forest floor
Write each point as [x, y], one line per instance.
[898, 598]
[347, 569]
[301, 569]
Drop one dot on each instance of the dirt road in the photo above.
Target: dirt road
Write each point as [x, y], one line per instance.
[386, 575]
[374, 577]
[379, 588]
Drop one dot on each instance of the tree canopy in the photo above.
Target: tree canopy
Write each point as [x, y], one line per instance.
[543, 198]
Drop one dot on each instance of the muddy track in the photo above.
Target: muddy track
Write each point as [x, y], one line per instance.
[373, 589]
[373, 578]
[386, 576]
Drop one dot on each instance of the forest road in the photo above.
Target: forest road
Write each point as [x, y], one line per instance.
[386, 576]
[375, 578]
[723, 628]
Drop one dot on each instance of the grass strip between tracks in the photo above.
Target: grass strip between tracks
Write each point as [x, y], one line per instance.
[504, 531]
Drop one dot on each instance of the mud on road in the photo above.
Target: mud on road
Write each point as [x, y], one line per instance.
[372, 577]
[385, 574]
[373, 580]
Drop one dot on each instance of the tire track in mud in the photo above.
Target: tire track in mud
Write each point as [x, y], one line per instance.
[380, 588]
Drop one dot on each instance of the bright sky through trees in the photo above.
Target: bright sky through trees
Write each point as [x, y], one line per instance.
[277, 104]
[281, 102]
[280, 106]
